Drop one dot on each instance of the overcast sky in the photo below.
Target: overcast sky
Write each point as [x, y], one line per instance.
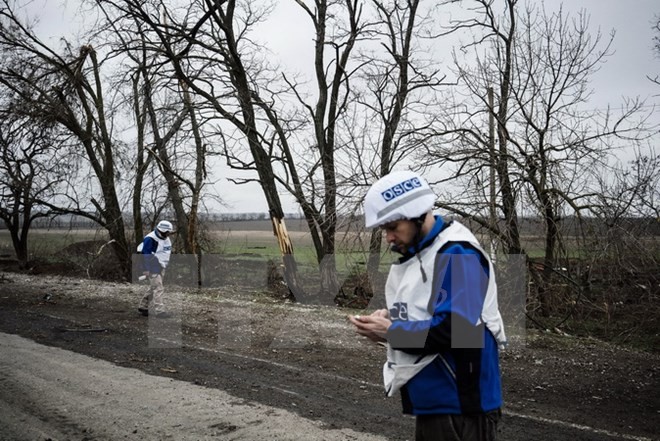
[624, 74]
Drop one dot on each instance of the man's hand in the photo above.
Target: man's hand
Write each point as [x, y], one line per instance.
[373, 326]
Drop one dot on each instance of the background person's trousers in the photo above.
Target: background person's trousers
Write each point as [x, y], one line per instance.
[481, 427]
[154, 294]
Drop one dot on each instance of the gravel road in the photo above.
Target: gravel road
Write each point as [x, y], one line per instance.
[51, 393]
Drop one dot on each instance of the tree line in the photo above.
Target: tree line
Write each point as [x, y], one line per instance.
[134, 115]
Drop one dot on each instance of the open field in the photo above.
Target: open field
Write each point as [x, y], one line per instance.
[257, 243]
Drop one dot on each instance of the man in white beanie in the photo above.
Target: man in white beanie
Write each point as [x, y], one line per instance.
[442, 325]
[156, 249]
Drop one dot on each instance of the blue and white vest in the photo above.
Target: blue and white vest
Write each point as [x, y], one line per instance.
[161, 253]
[405, 286]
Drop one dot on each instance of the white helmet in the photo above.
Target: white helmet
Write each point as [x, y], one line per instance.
[165, 226]
[398, 195]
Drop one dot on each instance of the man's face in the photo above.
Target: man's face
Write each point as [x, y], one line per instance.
[399, 233]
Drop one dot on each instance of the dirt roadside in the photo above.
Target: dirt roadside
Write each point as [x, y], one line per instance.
[276, 357]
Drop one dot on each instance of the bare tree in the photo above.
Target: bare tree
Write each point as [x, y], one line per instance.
[169, 132]
[337, 26]
[619, 241]
[68, 89]
[400, 83]
[548, 139]
[630, 191]
[560, 140]
[468, 143]
[29, 173]
[656, 45]
[210, 51]
[207, 48]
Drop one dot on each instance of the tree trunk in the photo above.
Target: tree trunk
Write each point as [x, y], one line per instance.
[508, 193]
[375, 246]
[286, 248]
[20, 246]
[551, 232]
[115, 227]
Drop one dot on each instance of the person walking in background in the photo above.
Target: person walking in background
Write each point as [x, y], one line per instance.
[442, 324]
[155, 249]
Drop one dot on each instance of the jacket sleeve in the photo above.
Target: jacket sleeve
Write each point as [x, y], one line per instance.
[460, 282]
